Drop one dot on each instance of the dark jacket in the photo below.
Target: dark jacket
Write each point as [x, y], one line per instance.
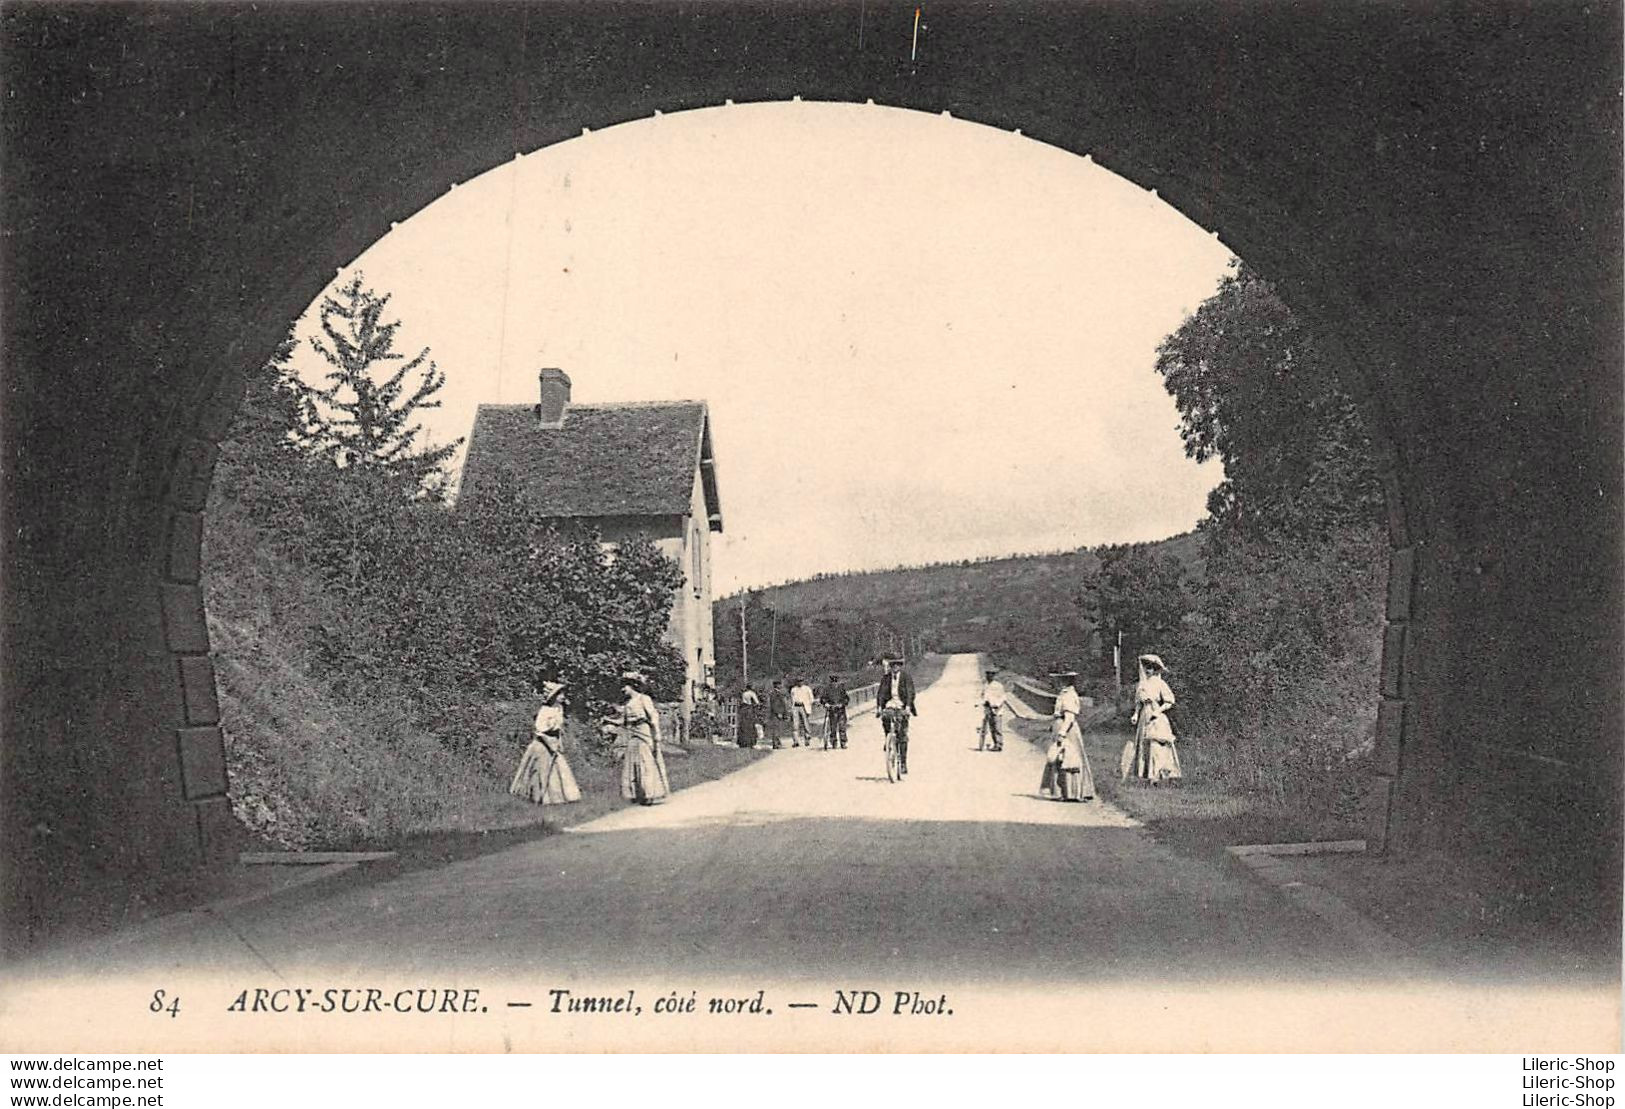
[834, 695]
[904, 693]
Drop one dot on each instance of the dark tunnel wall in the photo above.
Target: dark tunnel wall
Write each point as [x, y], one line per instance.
[1436, 187]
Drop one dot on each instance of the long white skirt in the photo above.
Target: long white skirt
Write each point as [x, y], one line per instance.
[643, 772]
[1067, 775]
[1164, 761]
[1161, 761]
[544, 777]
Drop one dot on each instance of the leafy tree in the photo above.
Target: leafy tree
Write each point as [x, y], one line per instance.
[1277, 657]
[474, 604]
[1278, 665]
[261, 474]
[365, 413]
[1140, 593]
[1254, 390]
[1136, 591]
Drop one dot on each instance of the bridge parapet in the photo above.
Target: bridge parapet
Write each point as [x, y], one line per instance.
[1031, 701]
[862, 698]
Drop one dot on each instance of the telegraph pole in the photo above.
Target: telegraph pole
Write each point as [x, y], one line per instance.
[1117, 660]
[773, 645]
[744, 647]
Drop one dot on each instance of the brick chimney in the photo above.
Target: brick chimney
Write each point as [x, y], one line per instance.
[555, 398]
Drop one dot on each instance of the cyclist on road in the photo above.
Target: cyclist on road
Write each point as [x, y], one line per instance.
[897, 684]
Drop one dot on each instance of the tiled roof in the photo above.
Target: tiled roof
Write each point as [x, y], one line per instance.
[604, 460]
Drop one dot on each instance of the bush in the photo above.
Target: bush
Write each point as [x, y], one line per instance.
[1277, 670]
[453, 607]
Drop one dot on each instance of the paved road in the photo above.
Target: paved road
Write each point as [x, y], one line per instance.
[806, 865]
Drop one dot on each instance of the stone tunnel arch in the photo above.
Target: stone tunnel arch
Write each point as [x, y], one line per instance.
[1397, 172]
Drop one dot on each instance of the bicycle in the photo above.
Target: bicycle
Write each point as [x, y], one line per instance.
[897, 721]
[989, 730]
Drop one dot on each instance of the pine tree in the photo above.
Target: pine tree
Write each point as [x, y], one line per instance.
[364, 415]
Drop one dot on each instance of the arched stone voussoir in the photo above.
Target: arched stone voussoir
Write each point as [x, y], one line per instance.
[1436, 187]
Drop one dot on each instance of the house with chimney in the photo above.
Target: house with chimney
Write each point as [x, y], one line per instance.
[622, 470]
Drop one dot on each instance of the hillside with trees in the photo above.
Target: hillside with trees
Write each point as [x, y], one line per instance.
[1024, 609]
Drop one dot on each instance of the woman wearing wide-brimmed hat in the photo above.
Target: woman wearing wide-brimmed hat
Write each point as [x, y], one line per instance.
[1067, 776]
[1151, 755]
[643, 766]
[544, 776]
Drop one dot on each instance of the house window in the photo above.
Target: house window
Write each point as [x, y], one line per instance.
[697, 566]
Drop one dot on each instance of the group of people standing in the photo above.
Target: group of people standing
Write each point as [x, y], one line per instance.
[1150, 756]
[544, 776]
[789, 714]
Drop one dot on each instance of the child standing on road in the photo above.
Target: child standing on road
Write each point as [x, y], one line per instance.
[993, 698]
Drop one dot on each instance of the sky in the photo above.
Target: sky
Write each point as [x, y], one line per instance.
[920, 338]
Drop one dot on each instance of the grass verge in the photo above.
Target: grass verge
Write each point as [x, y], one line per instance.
[1202, 811]
[1452, 913]
[497, 810]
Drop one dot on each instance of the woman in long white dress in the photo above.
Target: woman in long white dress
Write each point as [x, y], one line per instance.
[544, 776]
[1151, 755]
[1067, 776]
[643, 766]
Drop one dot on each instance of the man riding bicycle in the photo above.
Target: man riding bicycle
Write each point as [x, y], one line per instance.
[897, 685]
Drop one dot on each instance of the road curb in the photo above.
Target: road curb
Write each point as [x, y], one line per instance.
[1273, 863]
[310, 858]
[170, 923]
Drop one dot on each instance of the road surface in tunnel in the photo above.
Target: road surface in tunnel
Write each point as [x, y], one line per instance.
[1039, 925]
